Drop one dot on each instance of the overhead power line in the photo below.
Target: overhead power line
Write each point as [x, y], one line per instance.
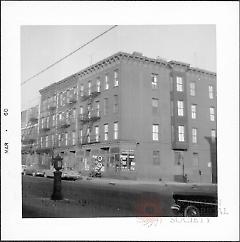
[71, 53]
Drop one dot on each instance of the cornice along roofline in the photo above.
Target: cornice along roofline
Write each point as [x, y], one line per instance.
[119, 56]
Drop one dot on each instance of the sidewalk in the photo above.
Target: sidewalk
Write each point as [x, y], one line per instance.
[113, 181]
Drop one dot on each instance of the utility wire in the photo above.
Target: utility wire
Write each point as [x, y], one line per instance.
[71, 53]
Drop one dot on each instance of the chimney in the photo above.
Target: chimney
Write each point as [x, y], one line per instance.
[137, 53]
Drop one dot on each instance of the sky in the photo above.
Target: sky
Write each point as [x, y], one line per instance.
[43, 45]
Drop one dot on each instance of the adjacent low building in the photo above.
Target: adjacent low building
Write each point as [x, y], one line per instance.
[143, 118]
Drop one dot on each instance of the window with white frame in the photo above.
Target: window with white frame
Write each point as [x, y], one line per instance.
[155, 132]
[213, 135]
[81, 90]
[212, 114]
[105, 106]
[194, 111]
[89, 87]
[194, 135]
[105, 132]
[47, 120]
[47, 141]
[156, 157]
[179, 84]
[97, 133]
[154, 81]
[88, 135]
[97, 108]
[180, 106]
[53, 140]
[115, 129]
[115, 103]
[210, 91]
[42, 123]
[106, 82]
[41, 142]
[66, 139]
[81, 135]
[59, 139]
[181, 133]
[73, 138]
[61, 99]
[81, 110]
[98, 85]
[154, 105]
[53, 120]
[116, 78]
[192, 88]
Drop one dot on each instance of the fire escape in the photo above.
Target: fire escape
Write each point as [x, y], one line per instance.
[29, 136]
[90, 116]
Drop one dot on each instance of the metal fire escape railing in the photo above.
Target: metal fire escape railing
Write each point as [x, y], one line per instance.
[90, 116]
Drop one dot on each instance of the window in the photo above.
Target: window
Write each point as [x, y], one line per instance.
[61, 99]
[89, 110]
[66, 139]
[73, 138]
[195, 160]
[81, 90]
[97, 108]
[213, 135]
[98, 85]
[60, 116]
[154, 105]
[47, 141]
[53, 120]
[194, 135]
[81, 110]
[194, 111]
[116, 78]
[105, 106]
[88, 135]
[178, 158]
[115, 104]
[115, 128]
[81, 135]
[53, 140]
[59, 139]
[210, 91]
[97, 133]
[192, 88]
[41, 142]
[155, 130]
[180, 108]
[179, 84]
[106, 82]
[154, 79]
[42, 123]
[89, 88]
[105, 131]
[181, 133]
[156, 157]
[212, 114]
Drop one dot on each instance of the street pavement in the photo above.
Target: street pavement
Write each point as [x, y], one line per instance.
[100, 197]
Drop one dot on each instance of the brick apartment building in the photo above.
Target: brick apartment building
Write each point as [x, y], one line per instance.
[29, 133]
[147, 119]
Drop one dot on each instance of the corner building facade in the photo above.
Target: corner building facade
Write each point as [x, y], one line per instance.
[146, 118]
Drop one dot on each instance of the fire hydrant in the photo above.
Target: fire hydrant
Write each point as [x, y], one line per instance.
[57, 186]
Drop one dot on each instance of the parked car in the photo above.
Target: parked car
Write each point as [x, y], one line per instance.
[49, 172]
[70, 174]
[195, 204]
[33, 170]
